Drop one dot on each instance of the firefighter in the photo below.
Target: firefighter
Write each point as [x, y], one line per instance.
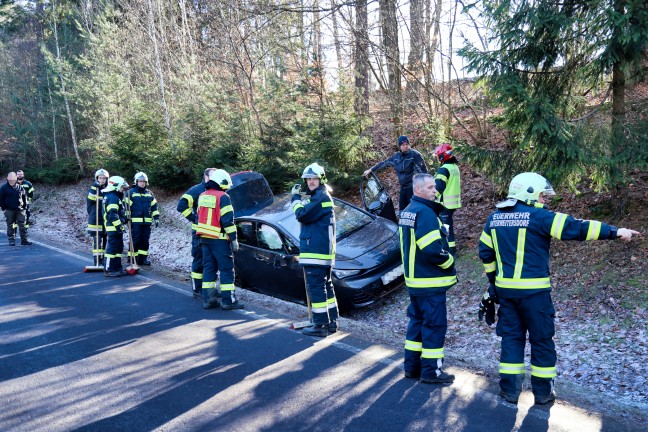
[114, 221]
[406, 163]
[29, 189]
[217, 234]
[13, 201]
[514, 248]
[317, 248]
[188, 207]
[448, 186]
[429, 273]
[94, 205]
[142, 212]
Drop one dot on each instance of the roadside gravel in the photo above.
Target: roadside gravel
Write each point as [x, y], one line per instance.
[602, 348]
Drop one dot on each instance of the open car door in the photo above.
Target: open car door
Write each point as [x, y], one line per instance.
[250, 192]
[375, 198]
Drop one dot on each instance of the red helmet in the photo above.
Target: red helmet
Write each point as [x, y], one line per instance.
[444, 152]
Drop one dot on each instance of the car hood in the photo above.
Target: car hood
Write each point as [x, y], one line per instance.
[368, 247]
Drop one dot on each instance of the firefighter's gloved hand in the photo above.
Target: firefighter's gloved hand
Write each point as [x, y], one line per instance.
[123, 228]
[487, 309]
[296, 189]
[157, 223]
[235, 246]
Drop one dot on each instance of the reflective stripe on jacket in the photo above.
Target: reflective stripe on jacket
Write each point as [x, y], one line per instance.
[95, 193]
[514, 245]
[114, 215]
[188, 203]
[215, 216]
[448, 185]
[427, 264]
[29, 189]
[317, 236]
[143, 206]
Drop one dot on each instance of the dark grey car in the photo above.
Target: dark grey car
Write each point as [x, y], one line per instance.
[367, 261]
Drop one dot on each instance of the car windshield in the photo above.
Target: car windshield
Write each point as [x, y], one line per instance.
[347, 220]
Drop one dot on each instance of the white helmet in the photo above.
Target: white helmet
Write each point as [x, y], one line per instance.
[114, 183]
[314, 171]
[140, 176]
[221, 178]
[528, 186]
[101, 172]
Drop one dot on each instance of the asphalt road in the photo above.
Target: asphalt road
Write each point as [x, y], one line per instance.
[79, 351]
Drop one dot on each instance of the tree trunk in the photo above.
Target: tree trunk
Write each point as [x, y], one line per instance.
[318, 61]
[453, 15]
[338, 44]
[361, 102]
[618, 141]
[158, 70]
[389, 25]
[417, 45]
[433, 32]
[53, 112]
[75, 146]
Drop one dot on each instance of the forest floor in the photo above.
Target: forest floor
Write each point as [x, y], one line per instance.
[600, 289]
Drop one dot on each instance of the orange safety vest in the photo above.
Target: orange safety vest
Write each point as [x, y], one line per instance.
[209, 215]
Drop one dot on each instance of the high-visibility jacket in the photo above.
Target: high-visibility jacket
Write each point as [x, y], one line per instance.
[514, 246]
[94, 194]
[188, 203]
[428, 266]
[317, 236]
[143, 206]
[215, 216]
[29, 189]
[405, 165]
[448, 185]
[114, 215]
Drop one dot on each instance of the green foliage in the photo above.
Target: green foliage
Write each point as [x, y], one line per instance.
[61, 171]
[545, 61]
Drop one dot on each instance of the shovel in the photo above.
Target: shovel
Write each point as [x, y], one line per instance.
[96, 267]
[303, 324]
[133, 268]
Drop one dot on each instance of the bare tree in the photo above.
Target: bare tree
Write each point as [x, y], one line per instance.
[158, 69]
[389, 26]
[59, 64]
[361, 102]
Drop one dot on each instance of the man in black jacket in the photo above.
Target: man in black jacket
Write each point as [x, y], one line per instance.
[13, 201]
[406, 163]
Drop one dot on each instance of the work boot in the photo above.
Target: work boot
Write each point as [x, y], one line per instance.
[317, 330]
[210, 301]
[412, 374]
[232, 306]
[26, 242]
[145, 261]
[12, 242]
[197, 294]
[508, 397]
[332, 327]
[440, 378]
[544, 400]
[112, 274]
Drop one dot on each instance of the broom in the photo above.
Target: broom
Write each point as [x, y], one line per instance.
[302, 324]
[133, 267]
[96, 266]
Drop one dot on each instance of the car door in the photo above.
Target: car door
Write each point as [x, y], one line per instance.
[273, 268]
[375, 198]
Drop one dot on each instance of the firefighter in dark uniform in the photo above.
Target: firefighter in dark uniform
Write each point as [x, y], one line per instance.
[429, 273]
[514, 248]
[142, 212]
[316, 215]
[406, 163]
[94, 206]
[188, 207]
[217, 234]
[114, 221]
[29, 189]
[448, 186]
